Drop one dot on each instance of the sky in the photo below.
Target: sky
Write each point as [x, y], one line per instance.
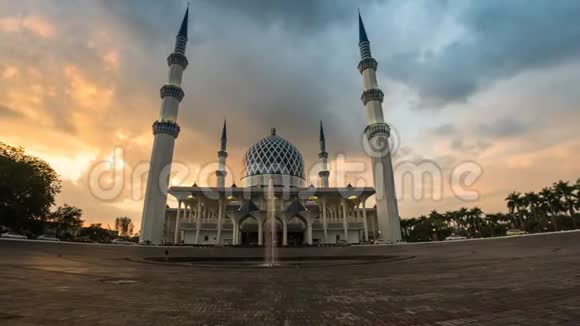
[487, 87]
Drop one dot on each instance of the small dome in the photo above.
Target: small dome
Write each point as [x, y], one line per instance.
[273, 155]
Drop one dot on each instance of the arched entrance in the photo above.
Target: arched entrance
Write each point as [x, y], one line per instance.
[296, 231]
[249, 231]
[272, 232]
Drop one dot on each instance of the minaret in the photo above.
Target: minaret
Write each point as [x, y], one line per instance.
[165, 130]
[221, 172]
[377, 133]
[323, 156]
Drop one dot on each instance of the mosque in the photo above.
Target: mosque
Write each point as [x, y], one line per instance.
[273, 196]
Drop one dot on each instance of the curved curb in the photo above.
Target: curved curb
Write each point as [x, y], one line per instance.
[236, 262]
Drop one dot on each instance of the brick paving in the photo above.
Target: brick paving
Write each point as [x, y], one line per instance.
[531, 280]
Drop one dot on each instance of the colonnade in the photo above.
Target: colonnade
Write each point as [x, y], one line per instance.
[283, 221]
[334, 212]
[198, 212]
[341, 213]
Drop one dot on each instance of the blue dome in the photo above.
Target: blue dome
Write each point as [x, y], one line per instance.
[273, 155]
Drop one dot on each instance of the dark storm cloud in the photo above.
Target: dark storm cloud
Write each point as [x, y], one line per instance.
[504, 39]
[444, 129]
[242, 69]
[256, 93]
[289, 77]
[147, 18]
[300, 16]
[503, 128]
[307, 18]
[469, 148]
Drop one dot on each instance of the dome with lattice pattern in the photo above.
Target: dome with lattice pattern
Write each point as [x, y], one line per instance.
[273, 155]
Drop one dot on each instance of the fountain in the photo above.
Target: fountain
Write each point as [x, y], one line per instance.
[270, 257]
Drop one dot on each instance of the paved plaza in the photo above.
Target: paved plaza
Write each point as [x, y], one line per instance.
[532, 280]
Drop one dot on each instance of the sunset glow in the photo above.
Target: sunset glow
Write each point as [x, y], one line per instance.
[78, 83]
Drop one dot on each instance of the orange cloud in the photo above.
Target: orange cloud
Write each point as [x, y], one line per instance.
[10, 24]
[111, 60]
[85, 92]
[34, 24]
[10, 72]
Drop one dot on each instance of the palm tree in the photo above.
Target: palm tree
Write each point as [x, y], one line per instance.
[497, 222]
[423, 229]
[551, 205]
[567, 194]
[450, 219]
[515, 203]
[577, 187]
[406, 225]
[124, 226]
[533, 201]
[409, 226]
[463, 218]
[492, 222]
[437, 223]
[475, 217]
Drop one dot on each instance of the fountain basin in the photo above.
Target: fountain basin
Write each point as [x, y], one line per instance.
[281, 262]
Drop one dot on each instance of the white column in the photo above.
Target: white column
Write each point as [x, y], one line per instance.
[378, 133]
[260, 233]
[324, 220]
[190, 214]
[284, 232]
[366, 224]
[234, 232]
[309, 233]
[221, 172]
[344, 221]
[198, 221]
[155, 201]
[165, 130]
[176, 235]
[221, 211]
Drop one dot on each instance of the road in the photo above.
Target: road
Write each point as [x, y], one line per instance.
[511, 281]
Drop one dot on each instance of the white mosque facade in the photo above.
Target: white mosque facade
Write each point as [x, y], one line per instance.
[241, 215]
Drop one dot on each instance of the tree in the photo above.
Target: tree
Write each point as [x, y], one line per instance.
[551, 205]
[577, 187]
[420, 229]
[451, 219]
[438, 226]
[28, 186]
[475, 218]
[498, 223]
[124, 226]
[463, 218]
[515, 205]
[66, 219]
[96, 233]
[406, 225]
[567, 194]
[533, 202]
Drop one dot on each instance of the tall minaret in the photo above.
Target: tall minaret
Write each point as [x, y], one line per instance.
[378, 132]
[221, 172]
[165, 130]
[323, 156]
